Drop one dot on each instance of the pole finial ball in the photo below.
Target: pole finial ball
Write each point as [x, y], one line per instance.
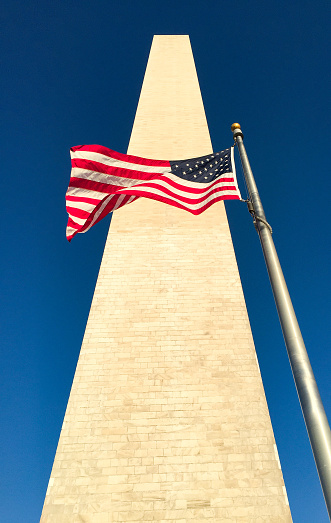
[235, 126]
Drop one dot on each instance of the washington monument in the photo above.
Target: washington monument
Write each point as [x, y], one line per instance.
[167, 418]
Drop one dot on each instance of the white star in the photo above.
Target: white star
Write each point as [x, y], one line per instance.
[184, 172]
[187, 164]
[200, 172]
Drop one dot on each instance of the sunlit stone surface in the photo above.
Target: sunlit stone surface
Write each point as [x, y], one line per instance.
[167, 419]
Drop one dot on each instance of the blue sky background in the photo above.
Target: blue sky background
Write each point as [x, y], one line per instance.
[71, 74]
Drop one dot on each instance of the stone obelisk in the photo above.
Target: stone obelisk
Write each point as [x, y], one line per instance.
[167, 418]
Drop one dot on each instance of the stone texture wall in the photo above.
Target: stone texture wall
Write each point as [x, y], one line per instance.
[167, 418]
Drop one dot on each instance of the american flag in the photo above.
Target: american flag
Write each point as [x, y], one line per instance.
[103, 180]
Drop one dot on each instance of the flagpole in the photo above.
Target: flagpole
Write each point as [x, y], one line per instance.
[310, 400]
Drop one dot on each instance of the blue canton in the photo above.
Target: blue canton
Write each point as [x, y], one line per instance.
[205, 168]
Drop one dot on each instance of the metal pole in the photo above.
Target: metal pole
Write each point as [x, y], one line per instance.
[310, 400]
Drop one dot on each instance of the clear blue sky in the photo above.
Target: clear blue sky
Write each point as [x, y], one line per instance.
[71, 74]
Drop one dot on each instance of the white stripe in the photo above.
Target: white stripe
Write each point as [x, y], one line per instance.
[81, 205]
[80, 221]
[196, 185]
[119, 201]
[132, 198]
[192, 206]
[85, 193]
[106, 160]
[95, 176]
[70, 231]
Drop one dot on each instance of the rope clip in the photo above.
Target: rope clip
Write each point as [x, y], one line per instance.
[256, 218]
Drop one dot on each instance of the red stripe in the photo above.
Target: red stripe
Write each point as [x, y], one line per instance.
[119, 156]
[120, 172]
[90, 185]
[83, 199]
[173, 194]
[73, 224]
[168, 201]
[78, 213]
[193, 190]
